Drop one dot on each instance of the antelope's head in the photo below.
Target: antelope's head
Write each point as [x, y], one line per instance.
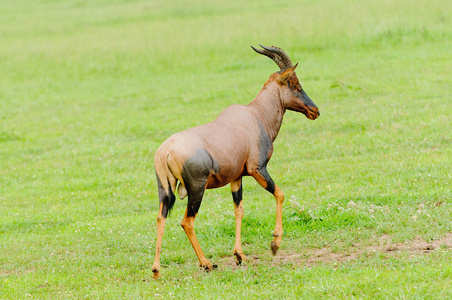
[294, 97]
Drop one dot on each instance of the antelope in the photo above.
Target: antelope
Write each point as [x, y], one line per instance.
[238, 143]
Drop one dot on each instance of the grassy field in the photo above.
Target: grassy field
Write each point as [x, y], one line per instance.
[90, 89]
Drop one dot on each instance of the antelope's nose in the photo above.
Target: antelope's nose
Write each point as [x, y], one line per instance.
[314, 112]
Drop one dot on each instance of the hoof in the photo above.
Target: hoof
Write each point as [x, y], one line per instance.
[156, 274]
[209, 268]
[274, 247]
[240, 258]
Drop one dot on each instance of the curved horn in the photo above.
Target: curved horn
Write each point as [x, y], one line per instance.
[284, 57]
[274, 56]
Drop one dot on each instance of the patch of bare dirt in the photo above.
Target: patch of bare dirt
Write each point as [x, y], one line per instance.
[9, 272]
[5, 273]
[384, 246]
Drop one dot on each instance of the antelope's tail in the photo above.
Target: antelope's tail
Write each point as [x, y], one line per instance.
[166, 182]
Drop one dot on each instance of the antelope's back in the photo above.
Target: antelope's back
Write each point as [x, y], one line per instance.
[227, 141]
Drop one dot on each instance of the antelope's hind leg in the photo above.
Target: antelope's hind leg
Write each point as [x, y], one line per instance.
[166, 200]
[264, 179]
[195, 195]
[236, 188]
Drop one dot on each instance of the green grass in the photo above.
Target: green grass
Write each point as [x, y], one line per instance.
[90, 89]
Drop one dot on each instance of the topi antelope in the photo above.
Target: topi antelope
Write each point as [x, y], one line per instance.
[238, 143]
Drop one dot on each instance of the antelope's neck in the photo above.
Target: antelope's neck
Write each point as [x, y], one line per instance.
[267, 107]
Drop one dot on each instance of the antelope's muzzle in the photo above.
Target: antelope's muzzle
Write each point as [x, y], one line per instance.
[313, 112]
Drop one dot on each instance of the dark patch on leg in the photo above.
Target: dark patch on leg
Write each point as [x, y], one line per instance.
[165, 199]
[195, 172]
[237, 195]
[198, 167]
[265, 146]
[265, 151]
[194, 200]
[270, 186]
[270, 183]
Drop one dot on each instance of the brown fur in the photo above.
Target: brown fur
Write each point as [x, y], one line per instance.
[238, 143]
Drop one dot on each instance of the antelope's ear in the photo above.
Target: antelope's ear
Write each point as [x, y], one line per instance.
[286, 74]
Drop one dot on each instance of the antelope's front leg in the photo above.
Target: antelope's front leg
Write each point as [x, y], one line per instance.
[279, 196]
[264, 179]
[236, 188]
